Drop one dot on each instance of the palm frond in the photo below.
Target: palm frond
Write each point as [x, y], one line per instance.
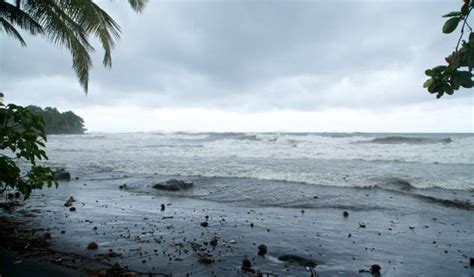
[10, 30]
[15, 16]
[95, 21]
[137, 5]
[63, 30]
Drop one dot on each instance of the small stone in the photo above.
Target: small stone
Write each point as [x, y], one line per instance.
[471, 261]
[247, 265]
[375, 269]
[362, 225]
[411, 227]
[345, 213]
[204, 224]
[10, 195]
[92, 245]
[213, 242]
[262, 250]
[17, 194]
[206, 258]
[72, 209]
[163, 207]
[251, 225]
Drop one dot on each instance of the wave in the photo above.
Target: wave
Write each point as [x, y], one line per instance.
[402, 186]
[408, 140]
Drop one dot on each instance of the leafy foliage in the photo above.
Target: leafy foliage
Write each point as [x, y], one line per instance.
[22, 139]
[68, 23]
[59, 123]
[458, 71]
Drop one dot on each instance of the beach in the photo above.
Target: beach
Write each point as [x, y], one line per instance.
[209, 229]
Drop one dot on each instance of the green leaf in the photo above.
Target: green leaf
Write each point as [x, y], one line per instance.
[451, 14]
[451, 25]
[428, 83]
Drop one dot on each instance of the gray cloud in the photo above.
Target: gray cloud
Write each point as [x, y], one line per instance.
[246, 56]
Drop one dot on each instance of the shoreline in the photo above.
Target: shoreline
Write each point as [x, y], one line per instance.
[405, 235]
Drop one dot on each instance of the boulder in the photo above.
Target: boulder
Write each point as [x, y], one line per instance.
[262, 250]
[247, 265]
[297, 260]
[174, 185]
[62, 175]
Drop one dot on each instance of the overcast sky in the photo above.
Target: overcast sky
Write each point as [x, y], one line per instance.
[253, 66]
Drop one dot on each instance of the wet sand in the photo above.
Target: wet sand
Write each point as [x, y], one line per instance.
[405, 235]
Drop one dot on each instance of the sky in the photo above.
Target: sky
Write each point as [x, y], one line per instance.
[299, 66]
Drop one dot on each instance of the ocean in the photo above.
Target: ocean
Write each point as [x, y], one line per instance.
[331, 159]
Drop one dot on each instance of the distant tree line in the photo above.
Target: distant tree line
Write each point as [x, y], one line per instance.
[59, 123]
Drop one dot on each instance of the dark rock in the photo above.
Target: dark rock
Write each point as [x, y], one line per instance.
[17, 194]
[92, 245]
[247, 265]
[297, 260]
[173, 185]
[471, 261]
[124, 186]
[69, 202]
[262, 250]
[10, 195]
[163, 207]
[345, 213]
[72, 209]
[375, 269]
[62, 175]
[362, 225]
[204, 224]
[206, 258]
[213, 242]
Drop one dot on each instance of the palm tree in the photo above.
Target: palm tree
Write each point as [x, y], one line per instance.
[68, 23]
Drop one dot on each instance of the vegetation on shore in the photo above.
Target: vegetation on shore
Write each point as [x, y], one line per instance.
[57, 122]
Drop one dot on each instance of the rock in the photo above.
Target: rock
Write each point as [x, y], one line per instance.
[10, 195]
[204, 224]
[69, 202]
[62, 175]
[297, 260]
[206, 258]
[471, 261]
[92, 245]
[213, 242]
[124, 186]
[375, 269]
[262, 250]
[163, 207]
[247, 265]
[362, 225]
[345, 213]
[411, 227]
[72, 209]
[17, 194]
[173, 185]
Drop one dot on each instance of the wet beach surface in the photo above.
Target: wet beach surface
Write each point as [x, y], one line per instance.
[394, 227]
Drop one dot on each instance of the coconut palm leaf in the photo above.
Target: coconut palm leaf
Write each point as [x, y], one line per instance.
[137, 5]
[9, 29]
[11, 15]
[69, 23]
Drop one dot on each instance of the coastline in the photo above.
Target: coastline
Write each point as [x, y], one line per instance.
[405, 235]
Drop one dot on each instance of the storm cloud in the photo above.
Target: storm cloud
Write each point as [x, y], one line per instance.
[250, 57]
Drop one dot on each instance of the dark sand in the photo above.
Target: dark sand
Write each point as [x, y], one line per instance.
[406, 235]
